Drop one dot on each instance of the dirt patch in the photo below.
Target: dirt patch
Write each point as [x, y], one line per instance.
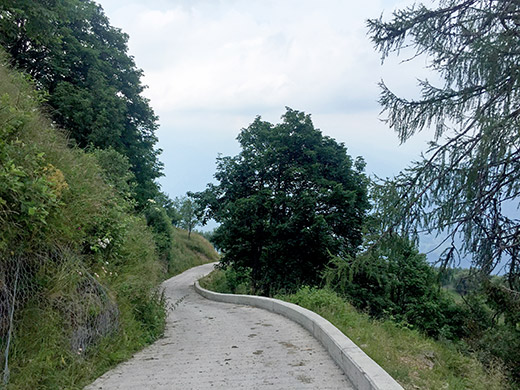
[288, 345]
[304, 379]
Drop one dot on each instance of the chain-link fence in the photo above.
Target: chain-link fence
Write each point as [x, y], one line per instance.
[55, 283]
[12, 280]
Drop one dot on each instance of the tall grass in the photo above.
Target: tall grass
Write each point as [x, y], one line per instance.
[189, 251]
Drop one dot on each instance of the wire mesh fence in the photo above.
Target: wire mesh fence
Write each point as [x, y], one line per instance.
[12, 280]
[55, 283]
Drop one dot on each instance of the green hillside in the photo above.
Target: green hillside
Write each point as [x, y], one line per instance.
[73, 251]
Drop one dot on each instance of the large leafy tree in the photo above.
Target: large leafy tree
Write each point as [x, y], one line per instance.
[73, 53]
[467, 186]
[286, 203]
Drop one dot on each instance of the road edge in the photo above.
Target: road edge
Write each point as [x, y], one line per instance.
[362, 371]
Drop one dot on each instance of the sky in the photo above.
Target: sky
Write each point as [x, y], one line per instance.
[212, 66]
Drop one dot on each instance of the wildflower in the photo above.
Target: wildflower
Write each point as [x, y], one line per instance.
[103, 243]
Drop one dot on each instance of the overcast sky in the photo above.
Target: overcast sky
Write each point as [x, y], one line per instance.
[213, 65]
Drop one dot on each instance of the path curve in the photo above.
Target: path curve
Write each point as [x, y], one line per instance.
[213, 345]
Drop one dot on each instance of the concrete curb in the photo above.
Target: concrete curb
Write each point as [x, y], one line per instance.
[363, 372]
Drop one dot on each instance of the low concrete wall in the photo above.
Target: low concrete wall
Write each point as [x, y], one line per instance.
[363, 372]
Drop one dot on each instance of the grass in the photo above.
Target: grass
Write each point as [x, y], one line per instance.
[42, 357]
[414, 360]
[189, 251]
[216, 281]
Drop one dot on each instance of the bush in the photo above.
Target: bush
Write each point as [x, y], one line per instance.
[30, 187]
[502, 341]
[395, 281]
[160, 223]
[493, 323]
[228, 281]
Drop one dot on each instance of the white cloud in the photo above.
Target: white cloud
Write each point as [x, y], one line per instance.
[237, 54]
[212, 66]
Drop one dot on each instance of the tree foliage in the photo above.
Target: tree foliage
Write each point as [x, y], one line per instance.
[286, 203]
[394, 280]
[93, 85]
[116, 171]
[169, 206]
[159, 222]
[467, 186]
[187, 212]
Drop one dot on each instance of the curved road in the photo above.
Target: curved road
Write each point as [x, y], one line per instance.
[212, 345]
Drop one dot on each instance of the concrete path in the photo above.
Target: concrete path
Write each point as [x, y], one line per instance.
[212, 345]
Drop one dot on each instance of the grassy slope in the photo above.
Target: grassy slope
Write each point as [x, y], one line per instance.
[54, 210]
[414, 360]
[191, 251]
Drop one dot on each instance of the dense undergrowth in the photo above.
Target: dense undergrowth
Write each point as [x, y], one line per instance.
[79, 268]
[415, 360]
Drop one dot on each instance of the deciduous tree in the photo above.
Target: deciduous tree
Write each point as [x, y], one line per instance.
[94, 87]
[187, 211]
[286, 203]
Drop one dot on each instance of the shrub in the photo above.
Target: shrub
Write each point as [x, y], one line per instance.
[395, 281]
[160, 223]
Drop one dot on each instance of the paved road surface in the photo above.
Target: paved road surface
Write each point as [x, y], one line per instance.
[212, 345]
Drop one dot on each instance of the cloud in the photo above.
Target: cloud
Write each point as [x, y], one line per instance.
[212, 66]
[235, 55]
